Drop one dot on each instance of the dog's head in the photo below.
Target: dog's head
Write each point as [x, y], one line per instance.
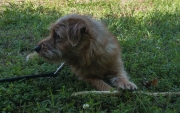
[68, 38]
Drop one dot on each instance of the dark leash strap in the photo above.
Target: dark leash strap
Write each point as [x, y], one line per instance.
[27, 77]
[32, 76]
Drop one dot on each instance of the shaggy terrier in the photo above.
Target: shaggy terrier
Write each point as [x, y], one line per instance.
[88, 47]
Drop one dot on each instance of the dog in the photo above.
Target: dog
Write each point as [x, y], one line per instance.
[89, 48]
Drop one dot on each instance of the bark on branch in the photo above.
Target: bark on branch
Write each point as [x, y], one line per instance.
[118, 93]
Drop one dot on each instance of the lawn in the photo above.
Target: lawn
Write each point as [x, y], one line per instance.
[149, 34]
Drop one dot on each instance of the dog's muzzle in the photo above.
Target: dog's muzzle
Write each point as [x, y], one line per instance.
[37, 48]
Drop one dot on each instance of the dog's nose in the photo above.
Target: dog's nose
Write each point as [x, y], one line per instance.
[37, 48]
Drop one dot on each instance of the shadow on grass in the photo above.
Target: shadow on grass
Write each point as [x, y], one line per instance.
[150, 46]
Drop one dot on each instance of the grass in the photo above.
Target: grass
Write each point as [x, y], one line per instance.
[149, 34]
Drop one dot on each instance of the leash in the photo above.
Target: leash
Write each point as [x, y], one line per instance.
[33, 76]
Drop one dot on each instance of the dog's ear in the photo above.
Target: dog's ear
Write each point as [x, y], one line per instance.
[76, 29]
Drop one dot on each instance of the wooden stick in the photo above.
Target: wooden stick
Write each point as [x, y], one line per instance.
[110, 93]
[159, 93]
[118, 93]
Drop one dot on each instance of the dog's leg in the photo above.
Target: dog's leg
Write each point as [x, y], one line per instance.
[98, 84]
[122, 81]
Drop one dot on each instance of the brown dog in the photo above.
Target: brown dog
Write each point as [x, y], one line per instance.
[88, 47]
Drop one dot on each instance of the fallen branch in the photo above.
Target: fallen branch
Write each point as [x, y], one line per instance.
[110, 93]
[159, 93]
[118, 93]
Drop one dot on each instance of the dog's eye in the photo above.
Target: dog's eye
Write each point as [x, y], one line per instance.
[56, 36]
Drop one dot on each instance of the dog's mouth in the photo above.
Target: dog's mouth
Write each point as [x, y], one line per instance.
[51, 55]
[45, 57]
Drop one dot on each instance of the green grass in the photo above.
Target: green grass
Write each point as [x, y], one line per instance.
[149, 34]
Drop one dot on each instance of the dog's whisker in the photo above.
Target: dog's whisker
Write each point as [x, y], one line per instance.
[57, 52]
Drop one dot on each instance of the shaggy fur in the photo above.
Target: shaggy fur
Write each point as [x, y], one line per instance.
[88, 47]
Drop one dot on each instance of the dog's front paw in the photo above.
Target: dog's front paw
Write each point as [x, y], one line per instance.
[127, 85]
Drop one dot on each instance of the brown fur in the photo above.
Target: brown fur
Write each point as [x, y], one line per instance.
[88, 47]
